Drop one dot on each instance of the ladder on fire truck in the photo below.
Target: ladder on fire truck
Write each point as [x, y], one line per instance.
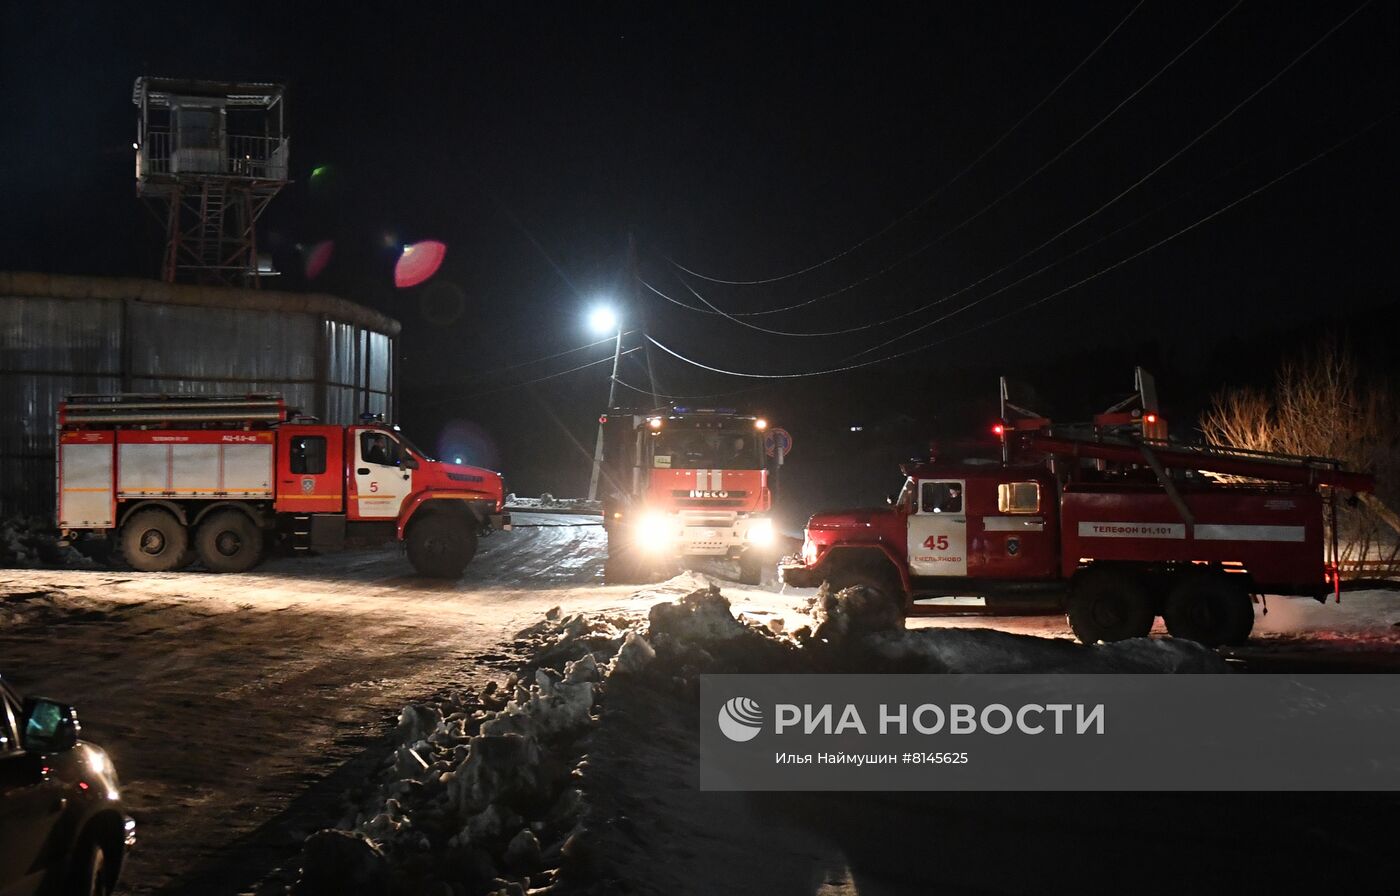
[1133, 433]
[138, 409]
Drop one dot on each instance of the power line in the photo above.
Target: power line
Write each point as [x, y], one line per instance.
[1073, 226]
[570, 351]
[1140, 181]
[938, 192]
[714, 310]
[924, 247]
[648, 392]
[1252, 193]
[531, 382]
[1059, 292]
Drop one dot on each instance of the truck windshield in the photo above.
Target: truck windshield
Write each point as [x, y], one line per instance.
[906, 494]
[714, 449]
[404, 440]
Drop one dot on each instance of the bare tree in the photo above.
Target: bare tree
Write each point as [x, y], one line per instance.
[1320, 406]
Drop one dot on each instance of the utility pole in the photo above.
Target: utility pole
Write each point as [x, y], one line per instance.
[633, 276]
[612, 403]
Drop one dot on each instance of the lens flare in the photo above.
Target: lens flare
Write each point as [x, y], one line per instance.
[318, 257]
[418, 262]
[442, 302]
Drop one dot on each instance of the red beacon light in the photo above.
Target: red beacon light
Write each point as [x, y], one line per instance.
[998, 429]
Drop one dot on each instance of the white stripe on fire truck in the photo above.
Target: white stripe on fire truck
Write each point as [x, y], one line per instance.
[1131, 530]
[1203, 531]
[1218, 532]
[1013, 524]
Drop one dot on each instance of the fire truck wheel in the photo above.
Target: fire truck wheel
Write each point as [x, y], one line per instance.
[228, 541]
[882, 582]
[1210, 609]
[626, 566]
[1245, 619]
[153, 541]
[440, 546]
[1109, 605]
[751, 568]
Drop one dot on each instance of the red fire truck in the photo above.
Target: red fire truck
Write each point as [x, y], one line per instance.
[685, 483]
[1111, 522]
[216, 478]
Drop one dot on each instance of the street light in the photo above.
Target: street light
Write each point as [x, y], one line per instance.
[603, 319]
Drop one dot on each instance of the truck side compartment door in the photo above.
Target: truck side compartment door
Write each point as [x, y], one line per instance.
[938, 529]
[1018, 540]
[310, 470]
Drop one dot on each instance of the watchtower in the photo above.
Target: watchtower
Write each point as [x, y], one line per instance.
[210, 155]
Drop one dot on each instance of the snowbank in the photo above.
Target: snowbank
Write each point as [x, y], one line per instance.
[482, 792]
[866, 633]
[548, 503]
[30, 542]
[1362, 621]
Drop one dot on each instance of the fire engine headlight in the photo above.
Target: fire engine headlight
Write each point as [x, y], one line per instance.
[653, 531]
[761, 532]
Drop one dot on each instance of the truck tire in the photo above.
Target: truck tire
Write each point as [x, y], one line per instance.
[1109, 605]
[1210, 608]
[1245, 623]
[751, 565]
[440, 546]
[625, 565]
[228, 541]
[881, 582]
[152, 540]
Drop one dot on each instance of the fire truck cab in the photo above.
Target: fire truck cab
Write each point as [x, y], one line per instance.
[686, 483]
[216, 478]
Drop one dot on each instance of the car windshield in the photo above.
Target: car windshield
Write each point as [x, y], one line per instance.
[707, 449]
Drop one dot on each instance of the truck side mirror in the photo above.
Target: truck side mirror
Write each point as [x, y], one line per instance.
[48, 726]
[410, 462]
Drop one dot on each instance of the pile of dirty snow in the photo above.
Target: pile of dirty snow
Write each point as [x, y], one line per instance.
[32, 542]
[865, 632]
[549, 503]
[489, 791]
[479, 795]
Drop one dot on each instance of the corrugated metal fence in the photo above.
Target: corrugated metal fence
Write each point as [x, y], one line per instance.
[62, 335]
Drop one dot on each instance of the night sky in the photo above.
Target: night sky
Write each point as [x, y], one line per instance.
[748, 144]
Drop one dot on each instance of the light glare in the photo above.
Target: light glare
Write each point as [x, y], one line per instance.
[602, 319]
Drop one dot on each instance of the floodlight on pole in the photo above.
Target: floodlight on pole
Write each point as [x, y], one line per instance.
[603, 319]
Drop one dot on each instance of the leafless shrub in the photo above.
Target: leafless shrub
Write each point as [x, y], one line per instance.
[1322, 406]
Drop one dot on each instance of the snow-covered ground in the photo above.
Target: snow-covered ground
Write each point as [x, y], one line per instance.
[550, 504]
[239, 708]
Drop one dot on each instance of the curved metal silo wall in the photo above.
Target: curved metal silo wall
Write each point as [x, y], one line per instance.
[62, 335]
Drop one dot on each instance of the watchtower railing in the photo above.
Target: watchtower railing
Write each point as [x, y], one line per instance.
[243, 156]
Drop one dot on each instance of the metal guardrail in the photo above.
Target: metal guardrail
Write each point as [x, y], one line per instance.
[252, 157]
